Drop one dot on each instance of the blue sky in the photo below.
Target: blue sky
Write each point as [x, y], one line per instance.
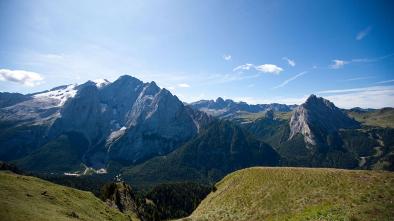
[255, 51]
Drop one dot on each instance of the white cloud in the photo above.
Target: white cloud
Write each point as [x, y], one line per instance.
[290, 79]
[338, 64]
[269, 68]
[27, 78]
[227, 57]
[363, 33]
[183, 85]
[289, 61]
[244, 67]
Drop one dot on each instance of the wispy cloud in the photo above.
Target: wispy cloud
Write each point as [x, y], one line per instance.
[225, 78]
[281, 100]
[264, 68]
[358, 78]
[363, 33]
[289, 61]
[27, 78]
[244, 67]
[367, 97]
[284, 83]
[183, 85]
[373, 88]
[227, 57]
[337, 64]
[385, 82]
[367, 60]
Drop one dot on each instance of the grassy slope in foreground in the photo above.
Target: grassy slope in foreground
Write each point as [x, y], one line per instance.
[29, 198]
[300, 194]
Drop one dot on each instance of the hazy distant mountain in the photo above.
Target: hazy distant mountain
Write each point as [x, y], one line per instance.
[224, 108]
[126, 121]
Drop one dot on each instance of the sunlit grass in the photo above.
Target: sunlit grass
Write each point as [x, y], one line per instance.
[29, 198]
[381, 118]
[300, 194]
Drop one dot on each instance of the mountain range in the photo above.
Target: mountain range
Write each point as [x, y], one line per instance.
[149, 136]
[227, 108]
[125, 121]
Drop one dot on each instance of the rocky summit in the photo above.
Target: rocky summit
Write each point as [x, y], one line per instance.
[126, 120]
[318, 116]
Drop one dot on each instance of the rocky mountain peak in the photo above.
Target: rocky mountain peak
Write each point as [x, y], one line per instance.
[314, 102]
[219, 100]
[128, 78]
[140, 120]
[312, 97]
[151, 88]
[318, 114]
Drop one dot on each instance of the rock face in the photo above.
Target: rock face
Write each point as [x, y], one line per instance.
[127, 120]
[316, 118]
[120, 196]
[222, 107]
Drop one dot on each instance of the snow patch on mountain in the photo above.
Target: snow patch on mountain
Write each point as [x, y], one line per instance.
[101, 82]
[115, 135]
[61, 94]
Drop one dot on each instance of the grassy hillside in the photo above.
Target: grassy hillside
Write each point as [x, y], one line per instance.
[381, 118]
[248, 117]
[29, 198]
[300, 194]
